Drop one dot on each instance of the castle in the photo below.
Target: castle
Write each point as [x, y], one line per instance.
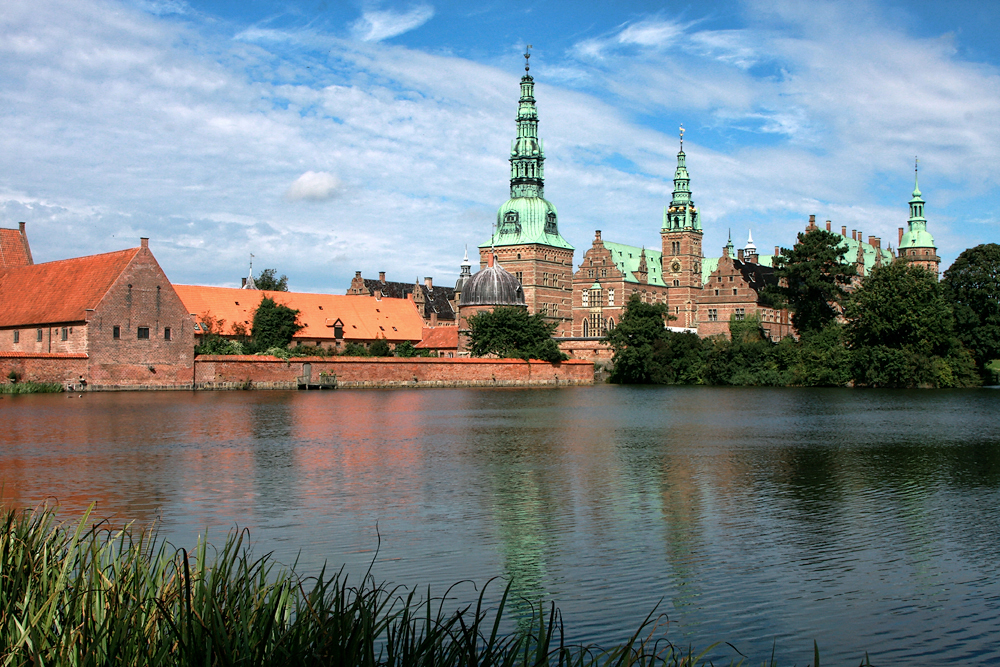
[701, 293]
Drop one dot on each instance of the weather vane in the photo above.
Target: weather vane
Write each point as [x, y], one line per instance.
[527, 55]
[682, 137]
[916, 163]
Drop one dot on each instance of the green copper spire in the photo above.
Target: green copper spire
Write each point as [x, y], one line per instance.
[682, 213]
[526, 155]
[916, 235]
[527, 217]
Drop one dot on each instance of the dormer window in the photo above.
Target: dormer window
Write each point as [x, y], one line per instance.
[511, 223]
[550, 223]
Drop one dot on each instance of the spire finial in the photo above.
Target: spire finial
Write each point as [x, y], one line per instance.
[682, 138]
[527, 54]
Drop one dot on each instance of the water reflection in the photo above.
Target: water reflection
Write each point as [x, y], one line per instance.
[864, 520]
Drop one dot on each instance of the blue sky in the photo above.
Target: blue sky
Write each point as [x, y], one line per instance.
[328, 137]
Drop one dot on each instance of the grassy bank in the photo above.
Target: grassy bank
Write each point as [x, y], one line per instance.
[31, 388]
[79, 595]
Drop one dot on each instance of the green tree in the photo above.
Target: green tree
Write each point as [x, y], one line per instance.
[406, 350]
[512, 333]
[635, 339]
[811, 279]
[269, 280]
[355, 350]
[820, 358]
[379, 348]
[274, 325]
[747, 358]
[972, 287]
[901, 330]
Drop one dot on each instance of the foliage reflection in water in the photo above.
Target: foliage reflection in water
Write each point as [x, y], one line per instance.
[867, 520]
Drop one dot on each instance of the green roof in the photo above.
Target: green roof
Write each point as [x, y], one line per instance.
[626, 258]
[524, 220]
[917, 238]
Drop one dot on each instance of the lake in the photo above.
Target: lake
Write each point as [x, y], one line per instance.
[867, 520]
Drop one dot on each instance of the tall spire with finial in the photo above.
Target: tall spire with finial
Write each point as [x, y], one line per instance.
[249, 283]
[917, 203]
[526, 155]
[682, 213]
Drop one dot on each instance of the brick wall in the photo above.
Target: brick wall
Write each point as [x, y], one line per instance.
[43, 367]
[234, 371]
[142, 296]
[546, 275]
[50, 340]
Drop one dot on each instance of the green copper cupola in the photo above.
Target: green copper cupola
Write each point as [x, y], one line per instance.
[682, 213]
[527, 217]
[916, 235]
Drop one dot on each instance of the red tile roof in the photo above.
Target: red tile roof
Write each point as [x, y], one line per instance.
[439, 338]
[363, 317]
[56, 292]
[14, 249]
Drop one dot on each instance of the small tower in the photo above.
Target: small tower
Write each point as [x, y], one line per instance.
[750, 250]
[248, 282]
[681, 235]
[916, 245]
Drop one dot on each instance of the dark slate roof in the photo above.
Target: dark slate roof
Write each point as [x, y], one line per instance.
[436, 299]
[756, 275]
[493, 286]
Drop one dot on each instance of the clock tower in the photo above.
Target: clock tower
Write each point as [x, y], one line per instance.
[682, 257]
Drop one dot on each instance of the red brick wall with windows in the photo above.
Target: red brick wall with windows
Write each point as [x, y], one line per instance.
[141, 300]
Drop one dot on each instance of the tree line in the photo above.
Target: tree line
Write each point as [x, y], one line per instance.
[896, 327]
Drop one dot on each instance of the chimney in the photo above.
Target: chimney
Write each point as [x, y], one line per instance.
[244, 282]
[900, 237]
[491, 259]
[777, 251]
[357, 274]
[875, 242]
[144, 241]
[597, 236]
[828, 225]
[854, 235]
[20, 226]
[429, 282]
[434, 318]
[381, 276]
[739, 254]
[843, 231]
[812, 222]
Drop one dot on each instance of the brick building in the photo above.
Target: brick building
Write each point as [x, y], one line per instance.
[437, 305]
[329, 320]
[117, 311]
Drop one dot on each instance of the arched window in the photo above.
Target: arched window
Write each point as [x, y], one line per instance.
[611, 323]
[586, 329]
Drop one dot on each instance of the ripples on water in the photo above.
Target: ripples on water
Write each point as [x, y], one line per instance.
[865, 520]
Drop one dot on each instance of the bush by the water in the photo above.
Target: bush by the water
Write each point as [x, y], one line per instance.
[81, 595]
[31, 388]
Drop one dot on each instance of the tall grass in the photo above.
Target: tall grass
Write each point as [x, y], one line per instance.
[31, 388]
[81, 596]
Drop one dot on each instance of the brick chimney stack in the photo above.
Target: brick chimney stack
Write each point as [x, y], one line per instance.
[739, 254]
[429, 282]
[381, 276]
[843, 231]
[900, 242]
[828, 225]
[144, 241]
[597, 236]
[777, 251]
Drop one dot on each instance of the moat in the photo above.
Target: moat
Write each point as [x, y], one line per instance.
[866, 520]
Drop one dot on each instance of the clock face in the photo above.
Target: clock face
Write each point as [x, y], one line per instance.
[676, 266]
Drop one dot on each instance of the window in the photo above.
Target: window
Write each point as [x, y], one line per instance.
[545, 310]
[716, 292]
[604, 273]
[143, 333]
[734, 291]
[64, 334]
[518, 275]
[38, 335]
[719, 278]
[740, 314]
[732, 278]
[590, 273]
[713, 315]
[166, 333]
[586, 298]
[677, 283]
[555, 310]
[116, 332]
[596, 297]
[545, 279]
[611, 297]
[17, 336]
[611, 323]
[586, 329]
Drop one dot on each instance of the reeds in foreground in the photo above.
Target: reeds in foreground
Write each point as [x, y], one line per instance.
[31, 388]
[85, 595]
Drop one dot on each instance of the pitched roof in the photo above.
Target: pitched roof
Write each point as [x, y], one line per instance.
[436, 299]
[439, 338]
[14, 250]
[55, 292]
[626, 258]
[363, 317]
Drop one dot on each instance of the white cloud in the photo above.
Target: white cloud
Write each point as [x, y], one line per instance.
[374, 26]
[313, 186]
